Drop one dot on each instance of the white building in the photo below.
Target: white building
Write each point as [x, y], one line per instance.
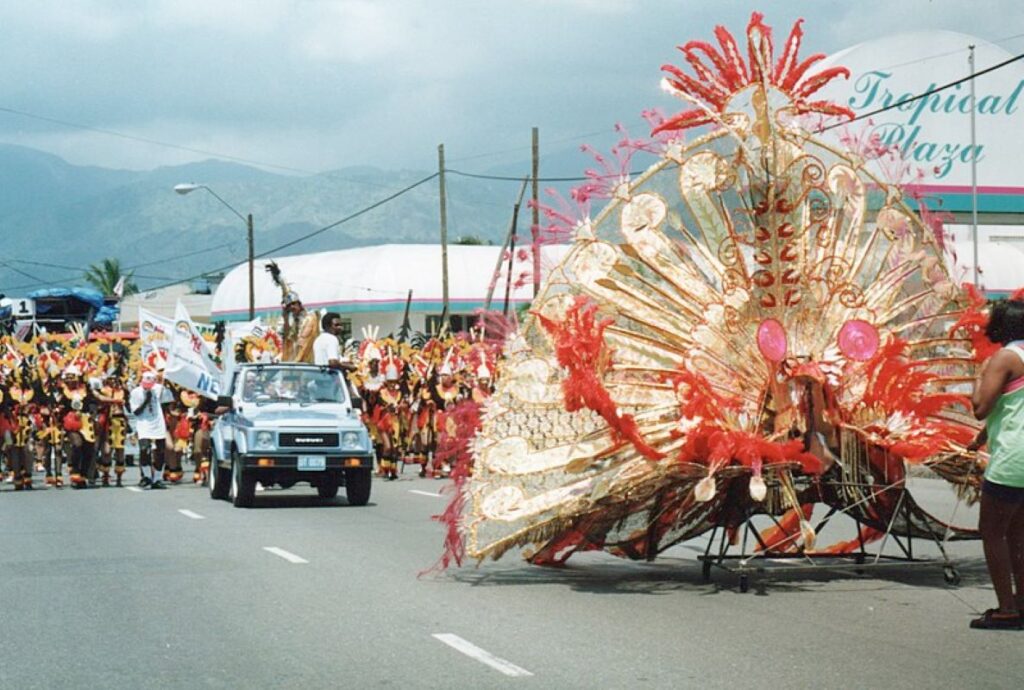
[371, 285]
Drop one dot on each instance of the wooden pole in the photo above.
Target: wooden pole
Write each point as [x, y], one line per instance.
[511, 260]
[535, 219]
[444, 238]
[508, 239]
[406, 327]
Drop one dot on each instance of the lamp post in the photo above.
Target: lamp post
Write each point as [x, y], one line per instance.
[185, 189]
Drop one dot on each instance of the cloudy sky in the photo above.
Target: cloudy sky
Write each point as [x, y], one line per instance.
[314, 85]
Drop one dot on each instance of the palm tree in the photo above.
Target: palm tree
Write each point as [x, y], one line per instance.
[105, 275]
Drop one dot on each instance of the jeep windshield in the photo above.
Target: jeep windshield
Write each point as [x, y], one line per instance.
[271, 384]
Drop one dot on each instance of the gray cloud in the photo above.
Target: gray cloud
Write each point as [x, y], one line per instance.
[317, 85]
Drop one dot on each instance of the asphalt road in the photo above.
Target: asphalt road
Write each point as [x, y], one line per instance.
[114, 588]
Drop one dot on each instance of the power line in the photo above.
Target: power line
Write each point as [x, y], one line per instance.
[309, 235]
[349, 217]
[930, 92]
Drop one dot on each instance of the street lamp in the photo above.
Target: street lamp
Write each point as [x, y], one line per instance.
[185, 189]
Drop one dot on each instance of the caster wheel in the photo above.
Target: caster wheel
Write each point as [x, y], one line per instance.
[951, 575]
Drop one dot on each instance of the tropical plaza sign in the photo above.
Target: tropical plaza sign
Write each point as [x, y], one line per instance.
[933, 135]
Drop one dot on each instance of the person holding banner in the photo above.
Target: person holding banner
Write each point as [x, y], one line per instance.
[145, 402]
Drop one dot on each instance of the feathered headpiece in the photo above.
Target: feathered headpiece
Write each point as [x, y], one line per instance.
[287, 294]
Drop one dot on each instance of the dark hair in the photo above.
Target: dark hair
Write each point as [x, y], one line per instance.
[325, 321]
[1006, 321]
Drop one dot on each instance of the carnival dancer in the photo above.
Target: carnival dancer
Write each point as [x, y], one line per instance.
[201, 418]
[179, 439]
[447, 393]
[115, 427]
[145, 401]
[49, 443]
[20, 396]
[79, 423]
[387, 419]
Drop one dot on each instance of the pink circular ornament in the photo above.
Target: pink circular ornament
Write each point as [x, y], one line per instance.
[858, 340]
[771, 340]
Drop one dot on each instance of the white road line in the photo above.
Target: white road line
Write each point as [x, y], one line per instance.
[189, 514]
[424, 493]
[135, 489]
[481, 655]
[291, 557]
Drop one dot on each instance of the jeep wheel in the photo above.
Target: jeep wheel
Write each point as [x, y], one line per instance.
[328, 487]
[220, 480]
[357, 486]
[243, 484]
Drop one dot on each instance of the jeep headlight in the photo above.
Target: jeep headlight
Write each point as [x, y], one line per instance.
[264, 440]
[351, 440]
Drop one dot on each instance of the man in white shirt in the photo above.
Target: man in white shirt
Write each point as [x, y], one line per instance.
[145, 402]
[326, 347]
[327, 351]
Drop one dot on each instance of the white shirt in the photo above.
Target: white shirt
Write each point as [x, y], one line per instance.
[149, 423]
[325, 348]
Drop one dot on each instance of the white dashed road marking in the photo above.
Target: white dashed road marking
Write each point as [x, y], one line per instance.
[135, 489]
[290, 557]
[189, 514]
[481, 655]
[424, 493]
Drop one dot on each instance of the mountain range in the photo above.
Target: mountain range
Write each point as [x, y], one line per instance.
[57, 218]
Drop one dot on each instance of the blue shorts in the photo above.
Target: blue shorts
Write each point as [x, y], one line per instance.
[1009, 494]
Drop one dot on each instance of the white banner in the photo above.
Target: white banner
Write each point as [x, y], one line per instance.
[155, 335]
[192, 363]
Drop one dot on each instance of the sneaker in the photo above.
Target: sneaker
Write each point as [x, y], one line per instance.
[145, 481]
[158, 485]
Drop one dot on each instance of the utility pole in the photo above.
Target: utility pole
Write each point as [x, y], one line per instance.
[444, 239]
[974, 172]
[535, 224]
[252, 277]
[508, 240]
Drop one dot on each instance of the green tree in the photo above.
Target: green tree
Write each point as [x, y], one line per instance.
[105, 275]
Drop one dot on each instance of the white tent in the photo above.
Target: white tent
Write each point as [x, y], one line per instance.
[370, 285]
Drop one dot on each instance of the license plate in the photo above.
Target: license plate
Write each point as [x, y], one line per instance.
[312, 462]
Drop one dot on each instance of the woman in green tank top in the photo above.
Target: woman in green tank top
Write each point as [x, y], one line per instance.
[999, 400]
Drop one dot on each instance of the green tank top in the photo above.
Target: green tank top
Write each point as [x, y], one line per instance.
[1005, 426]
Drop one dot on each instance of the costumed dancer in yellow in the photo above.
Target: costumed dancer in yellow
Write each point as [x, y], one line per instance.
[112, 396]
[299, 328]
[20, 392]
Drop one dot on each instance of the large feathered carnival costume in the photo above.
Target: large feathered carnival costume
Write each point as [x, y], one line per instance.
[754, 324]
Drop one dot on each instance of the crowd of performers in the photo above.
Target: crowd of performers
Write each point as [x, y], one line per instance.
[417, 401]
[65, 405]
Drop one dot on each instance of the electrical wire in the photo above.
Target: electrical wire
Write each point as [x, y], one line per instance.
[308, 235]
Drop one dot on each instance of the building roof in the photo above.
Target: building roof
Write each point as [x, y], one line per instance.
[162, 302]
[379, 278]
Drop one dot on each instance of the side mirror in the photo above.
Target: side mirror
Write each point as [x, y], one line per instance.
[357, 404]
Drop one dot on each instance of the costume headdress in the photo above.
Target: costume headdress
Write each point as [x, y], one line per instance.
[288, 295]
[733, 313]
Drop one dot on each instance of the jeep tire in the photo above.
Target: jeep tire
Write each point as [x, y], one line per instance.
[357, 486]
[243, 484]
[219, 481]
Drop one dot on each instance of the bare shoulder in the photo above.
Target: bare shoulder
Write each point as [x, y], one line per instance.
[1007, 360]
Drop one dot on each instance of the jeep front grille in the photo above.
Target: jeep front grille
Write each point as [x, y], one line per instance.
[310, 440]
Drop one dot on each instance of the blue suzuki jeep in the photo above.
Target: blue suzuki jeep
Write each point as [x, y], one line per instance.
[287, 423]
